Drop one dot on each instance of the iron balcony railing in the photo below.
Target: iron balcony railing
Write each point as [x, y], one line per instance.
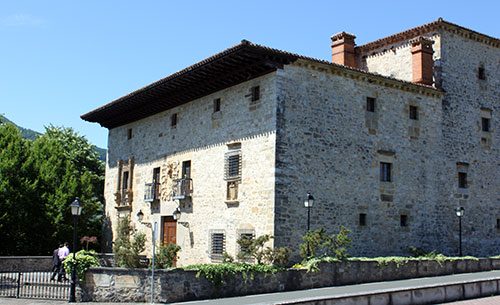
[151, 192]
[182, 188]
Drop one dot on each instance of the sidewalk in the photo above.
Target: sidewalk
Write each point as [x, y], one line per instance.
[322, 293]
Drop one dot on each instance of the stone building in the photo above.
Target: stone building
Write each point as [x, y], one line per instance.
[390, 137]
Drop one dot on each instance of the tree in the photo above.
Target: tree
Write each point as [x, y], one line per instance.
[38, 181]
[67, 167]
[21, 230]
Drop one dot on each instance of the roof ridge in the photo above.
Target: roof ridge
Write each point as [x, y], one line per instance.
[425, 28]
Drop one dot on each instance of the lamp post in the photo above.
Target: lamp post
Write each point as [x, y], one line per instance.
[308, 203]
[459, 211]
[76, 210]
[140, 217]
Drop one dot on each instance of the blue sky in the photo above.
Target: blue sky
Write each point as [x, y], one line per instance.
[60, 59]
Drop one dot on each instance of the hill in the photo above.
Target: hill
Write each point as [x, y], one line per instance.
[31, 135]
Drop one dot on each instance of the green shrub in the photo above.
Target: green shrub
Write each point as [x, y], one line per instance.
[218, 274]
[318, 243]
[166, 255]
[84, 260]
[254, 248]
[127, 252]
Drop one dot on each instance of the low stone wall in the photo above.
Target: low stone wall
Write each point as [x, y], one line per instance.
[41, 263]
[25, 263]
[133, 285]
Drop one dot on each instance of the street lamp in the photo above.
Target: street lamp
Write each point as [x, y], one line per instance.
[76, 210]
[308, 203]
[140, 217]
[459, 211]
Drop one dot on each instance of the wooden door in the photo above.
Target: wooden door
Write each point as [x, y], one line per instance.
[169, 232]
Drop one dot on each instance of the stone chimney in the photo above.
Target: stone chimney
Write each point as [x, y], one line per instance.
[343, 49]
[422, 62]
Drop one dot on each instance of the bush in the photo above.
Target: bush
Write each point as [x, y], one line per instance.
[318, 243]
[166, 255]
[218, 274]
[127, 252]
[84, 260]
[254, 248]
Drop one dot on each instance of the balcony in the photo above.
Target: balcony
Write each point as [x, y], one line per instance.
[182, 189]
[151, 192]
[123, 199]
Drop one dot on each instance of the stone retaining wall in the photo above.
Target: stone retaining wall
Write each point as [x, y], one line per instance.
[41, 263]
[133, 285]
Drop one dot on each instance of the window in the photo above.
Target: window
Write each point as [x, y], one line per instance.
[129, 133]
[217, 105]
[255, 93]
[232, 164]
[498, 223]
[217, 245]
[186, 169]
[462, 180]
[413, 112]
[403, 220]
[385, 172]
[125, 180]
[245, 241]
[173, 120]
[485, 124]
[362, 219]
[156, 175]
[370, 104]
[481, 72]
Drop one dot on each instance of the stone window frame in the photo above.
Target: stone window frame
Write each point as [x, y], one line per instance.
[129, 133]
[462, 175]
[233, 171]
[217, 105]
[413, 113]
[371, 104]
[240, 233]
[255, 93]
[124, 196]
[385, 171]
[174, 120]
[404, 220]
[362, 219]
[481, 72]
[498, 224]
[220, 234]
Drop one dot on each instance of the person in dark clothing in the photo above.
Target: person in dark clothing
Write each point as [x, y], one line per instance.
[56, 264]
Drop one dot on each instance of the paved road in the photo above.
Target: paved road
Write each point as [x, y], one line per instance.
[273, 298]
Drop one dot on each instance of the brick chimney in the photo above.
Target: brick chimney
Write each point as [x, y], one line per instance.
[343, 49]
[422, 62]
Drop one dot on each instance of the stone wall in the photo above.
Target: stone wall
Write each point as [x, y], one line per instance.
[202, 137]
[456, 63]
[134, 285]
[465, 96]
[328, 145]
[25, 263]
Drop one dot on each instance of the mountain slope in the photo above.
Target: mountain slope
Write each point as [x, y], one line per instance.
[31, 135]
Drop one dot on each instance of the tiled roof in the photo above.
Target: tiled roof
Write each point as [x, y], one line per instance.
[426, 28]
[222, 70]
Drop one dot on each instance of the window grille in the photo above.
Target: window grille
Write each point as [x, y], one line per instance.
[232, 165]
[385, 172]
[255, 92]
[370, 104]
[217, 244]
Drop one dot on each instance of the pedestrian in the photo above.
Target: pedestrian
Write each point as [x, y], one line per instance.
[62, 253]
[56, 264]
